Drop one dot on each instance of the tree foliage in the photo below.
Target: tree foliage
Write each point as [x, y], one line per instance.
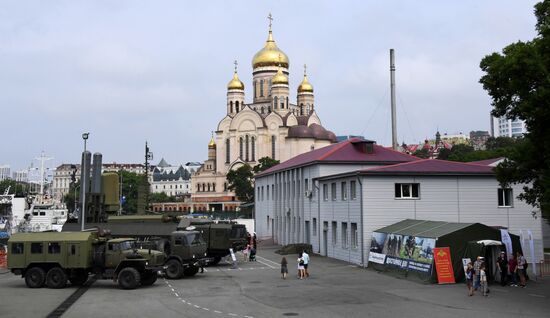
[17, 188]
[518, 81]
[161, 197]
[130, 185]
[265, 163]
[240, 181]
[422, 153]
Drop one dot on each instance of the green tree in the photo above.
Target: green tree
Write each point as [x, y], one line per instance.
[501, 143]
[518, 81]
[17, 188]
[422, 153]
[161, 197]
[444, 154]
[130, 185]
[460, 152]
[69, 199]
[240, 181]
[265, 163]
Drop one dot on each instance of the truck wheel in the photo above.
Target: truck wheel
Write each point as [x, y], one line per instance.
[174, 269]
[79, 278]
[148, 278]
[191, 271]
[129, 278]
[35, 277]
[56, 278]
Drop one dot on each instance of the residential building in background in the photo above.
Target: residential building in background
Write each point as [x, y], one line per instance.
[5, 172]
[503, 127]
[173, 180]
[20, 176]
[478, 139]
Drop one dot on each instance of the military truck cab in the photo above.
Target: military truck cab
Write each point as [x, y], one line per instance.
[54, 258]
[186, 253]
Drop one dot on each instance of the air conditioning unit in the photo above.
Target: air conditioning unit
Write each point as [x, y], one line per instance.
[308, 194]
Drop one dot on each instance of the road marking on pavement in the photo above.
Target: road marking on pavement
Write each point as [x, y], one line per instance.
[197, 306]
[266, 264]
[535, 295]
[268, 260]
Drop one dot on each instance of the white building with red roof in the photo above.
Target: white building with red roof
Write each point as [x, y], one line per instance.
[335, 197]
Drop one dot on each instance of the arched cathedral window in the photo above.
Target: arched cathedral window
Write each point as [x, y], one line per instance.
[247, 147]
[253, 144]
[287, 102]
[231, 106]
[302, 109]
[275, 100]
[227, 151]
[261, 88]
[237, 106]
[273, 147]
[241, 141]
[255, 90]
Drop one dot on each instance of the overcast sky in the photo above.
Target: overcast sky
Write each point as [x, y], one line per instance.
[131, 71]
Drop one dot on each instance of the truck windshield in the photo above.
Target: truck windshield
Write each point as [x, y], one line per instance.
[194, 239]
[126, 245]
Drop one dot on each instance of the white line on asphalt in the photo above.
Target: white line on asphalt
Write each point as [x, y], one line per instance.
[205, 270]
[217, 311]
[205, 309]
[177, 295]
[234, 315]
[197, 306]
[535, 295]
[268, 260]
[172, 289]
[266, 264]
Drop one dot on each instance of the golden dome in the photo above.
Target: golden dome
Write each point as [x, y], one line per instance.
[305, 86]
[279, 78]
[212, 143]
[235, 83]
[269, 55]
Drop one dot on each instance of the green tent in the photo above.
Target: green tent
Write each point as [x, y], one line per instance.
[462, 239]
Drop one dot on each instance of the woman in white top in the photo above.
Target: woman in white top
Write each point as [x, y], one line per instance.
[301, 269]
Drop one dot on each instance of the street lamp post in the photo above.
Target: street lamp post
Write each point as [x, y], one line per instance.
[83, 185]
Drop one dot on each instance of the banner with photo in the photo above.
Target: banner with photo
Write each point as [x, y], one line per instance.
[403, 251]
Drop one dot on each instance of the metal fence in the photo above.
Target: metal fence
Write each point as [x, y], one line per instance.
[544, 268]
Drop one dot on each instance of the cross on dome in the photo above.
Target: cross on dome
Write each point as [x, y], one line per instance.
[270, 18]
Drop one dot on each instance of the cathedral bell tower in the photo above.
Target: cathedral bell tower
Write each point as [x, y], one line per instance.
[279, 92]
[305, 96]
[235, 94]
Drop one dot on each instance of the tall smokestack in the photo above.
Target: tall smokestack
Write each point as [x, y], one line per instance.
[393, 111]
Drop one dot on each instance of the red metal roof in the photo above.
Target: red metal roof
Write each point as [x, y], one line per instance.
[431, 166]
[345, 151]
[487, 162]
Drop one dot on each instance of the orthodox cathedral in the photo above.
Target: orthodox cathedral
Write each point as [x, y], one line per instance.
[270, 126]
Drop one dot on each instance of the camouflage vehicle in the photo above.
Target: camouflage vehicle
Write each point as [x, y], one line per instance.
[220, 236]
[53, 258]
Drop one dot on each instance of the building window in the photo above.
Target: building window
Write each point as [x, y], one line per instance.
[227, 151]
[314, 226]
[241, 150]
[325, 192]
[407, 190]
[275, 102]
[505, 198]
[273, 191]
[354, 236]
[334, 232]
[231, 106]
[267, 192]
[333, 191]
[253, 146]
[344, 191]
[306, 185]
[261, 88]
[246, 147]
[255, 89]
[344, 235]
[353, 190]
[237, 106]
[273, 147]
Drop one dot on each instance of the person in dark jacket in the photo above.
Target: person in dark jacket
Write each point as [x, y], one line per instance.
[502, 264]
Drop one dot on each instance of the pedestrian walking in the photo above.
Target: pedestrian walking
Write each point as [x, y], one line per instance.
[284, 268]
[245, 252]
[255, 241]
[470, 278]
[502, 264]
[477, 266]
[483, 279]
[521, 269]
[300, 267]
[305, 257]
[512, 269]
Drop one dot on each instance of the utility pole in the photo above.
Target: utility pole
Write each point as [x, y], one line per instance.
[83, 185]
[393, 108]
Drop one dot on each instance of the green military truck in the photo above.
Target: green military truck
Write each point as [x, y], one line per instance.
[53, 258]
[186, 253]
[220, 236]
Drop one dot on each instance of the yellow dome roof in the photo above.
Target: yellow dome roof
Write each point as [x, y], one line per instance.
[269, 55]
[305, 86]
[212, 143]
[279, 78]
[235, 83]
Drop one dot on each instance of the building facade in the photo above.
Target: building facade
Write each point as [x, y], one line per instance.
[173, 180]
[503, 127]
[269, 126]
[335, 206]
[5, 172]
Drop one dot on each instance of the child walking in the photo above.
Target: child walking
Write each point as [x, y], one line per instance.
[470, 278]
[483, 279]
[284, 267]
[245, 252]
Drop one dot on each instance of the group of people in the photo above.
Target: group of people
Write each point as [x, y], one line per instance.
[249, 252]
[510, 269]
[303, 263]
